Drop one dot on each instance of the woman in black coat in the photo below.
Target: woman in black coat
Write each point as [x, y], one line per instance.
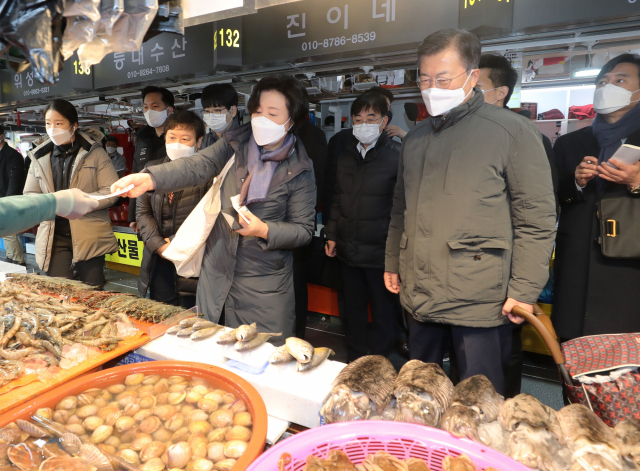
[594, 294]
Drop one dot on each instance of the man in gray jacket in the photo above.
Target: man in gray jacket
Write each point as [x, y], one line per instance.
[473, 219]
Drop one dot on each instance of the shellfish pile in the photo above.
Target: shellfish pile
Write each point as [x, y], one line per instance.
[160, 423]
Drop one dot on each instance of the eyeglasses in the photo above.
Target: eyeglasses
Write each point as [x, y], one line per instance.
[440, 83]
[359, 120]
[216, 111]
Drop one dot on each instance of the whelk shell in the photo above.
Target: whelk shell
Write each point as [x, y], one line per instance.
[101, 434]
[178, 455]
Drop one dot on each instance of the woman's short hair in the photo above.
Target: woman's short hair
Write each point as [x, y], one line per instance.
[65, 108]
[185, 119]
[293, 91]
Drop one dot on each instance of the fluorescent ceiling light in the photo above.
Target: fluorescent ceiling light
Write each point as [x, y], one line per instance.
[586, 73]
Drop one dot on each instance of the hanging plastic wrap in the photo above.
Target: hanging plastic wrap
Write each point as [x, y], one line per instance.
[168, 19]
[127, 33]
[33, 28]
[110, 12]
[87, 8]
[82, 16]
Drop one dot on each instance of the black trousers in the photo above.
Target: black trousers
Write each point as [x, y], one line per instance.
[484, 351]
[361, 287]
[513, 375]
[300, 280]
[162, 281]
[89, 271]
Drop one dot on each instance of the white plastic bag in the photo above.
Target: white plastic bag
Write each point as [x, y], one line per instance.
[186, 250]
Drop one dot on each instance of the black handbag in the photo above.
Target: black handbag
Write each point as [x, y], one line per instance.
[619, 219]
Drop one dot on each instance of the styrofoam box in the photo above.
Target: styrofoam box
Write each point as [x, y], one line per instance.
[288, 395]
[31, 248]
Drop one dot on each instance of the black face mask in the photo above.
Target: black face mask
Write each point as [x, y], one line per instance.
[389, 115]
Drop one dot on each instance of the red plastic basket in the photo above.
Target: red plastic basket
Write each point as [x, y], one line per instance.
[363, 438]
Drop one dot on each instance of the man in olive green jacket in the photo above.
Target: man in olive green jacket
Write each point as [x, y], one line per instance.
[473, 220]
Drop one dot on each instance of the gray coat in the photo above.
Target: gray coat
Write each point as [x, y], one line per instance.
[251, 277]
[473, 219]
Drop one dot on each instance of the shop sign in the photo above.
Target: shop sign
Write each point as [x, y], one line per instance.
[484, 16]
[25, 87]
[532, 13]
[310, 28]
[129, 250]
[172, 56]
[516, 61]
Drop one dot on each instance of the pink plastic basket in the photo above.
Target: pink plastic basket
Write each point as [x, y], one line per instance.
[402, 440]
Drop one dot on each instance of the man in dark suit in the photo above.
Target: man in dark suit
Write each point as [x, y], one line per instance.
[12, 179]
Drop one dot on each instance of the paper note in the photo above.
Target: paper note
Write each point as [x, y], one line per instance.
[242, 210]
[117, 193]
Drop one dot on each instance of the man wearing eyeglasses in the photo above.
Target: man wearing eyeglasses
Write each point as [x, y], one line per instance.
[220, 103]
[473, 220]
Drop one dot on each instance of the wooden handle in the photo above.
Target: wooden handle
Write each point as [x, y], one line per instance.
[542, 323]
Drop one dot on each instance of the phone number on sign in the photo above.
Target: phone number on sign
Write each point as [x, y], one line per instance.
[339, 41]
[36, 91]
[161, 69]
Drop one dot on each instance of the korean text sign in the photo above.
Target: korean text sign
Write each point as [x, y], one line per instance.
[129, 250]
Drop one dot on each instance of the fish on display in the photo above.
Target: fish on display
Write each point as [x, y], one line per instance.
[227, 338]
[594, 445]
[244, 333]
[423, 392]
[204, 324]
[300, 349]
[319, 355]
[474, 402]
[258, 340]
[281, 355]
[186, 332]
[205, 333]
[184, 323]
[174, 329]
[363, 382]
[628, 432]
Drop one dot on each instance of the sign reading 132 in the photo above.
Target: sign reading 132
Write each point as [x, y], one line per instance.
[227, 37]
[473, 2]
[79, 70]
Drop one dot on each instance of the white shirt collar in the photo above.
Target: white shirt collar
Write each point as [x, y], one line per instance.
[364, 151]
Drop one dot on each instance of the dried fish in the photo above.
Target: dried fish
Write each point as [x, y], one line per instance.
[319, 355]
[205, 333]
[255, 342]
[300, 349]
[227, 338]
[244, 333]
[281, 355]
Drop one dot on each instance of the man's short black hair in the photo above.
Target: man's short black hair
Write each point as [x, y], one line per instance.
[467, 44]
[1, 129]
[621, 59]
[370, 101]
[219, 94]
[184, 119]
[294, 93]
[382, 91]
[166, 96]
[111, 139]
[502, 73]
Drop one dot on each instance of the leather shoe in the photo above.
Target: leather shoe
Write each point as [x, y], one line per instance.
[16, 263]
[402, 346]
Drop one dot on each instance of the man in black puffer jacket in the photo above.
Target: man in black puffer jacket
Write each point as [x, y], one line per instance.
[357, 228]
[159, 216]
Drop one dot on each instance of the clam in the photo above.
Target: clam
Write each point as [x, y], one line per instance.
[107, 448]
[218, 434]
[151, 380]
[87, 411]
[31, 429]
[146, 391]
[142, 414]
[112, 417]
[134, 379]
[178, 455]
[147, 402]
[225, 465]
[154, 449]
[238, 406]
[197, 415]
[175, 422]
[238, 432]
[198, 445]
[162, 398]
[154, 464]
[105, 412]
[214, 396]
[150, 425]
[58, 463]
[124, 423]
[199, 426]
[70, 442]
[101, 433]
[131, 409]
[45, 412]
[180, 435]
[129, 436]
[200, 464]
[228, 398]
[221, 418]
[4, 459]
[116, 388]
[182, 387]
[161, 386]
[93, 392]
[164, 412]
[74, 419]
[92, 423]
[112, 441]
[51, 449]
[11, 434]
[126, 400]
[215, 451]
[76, 429]
[129, 455]
[24, 457]
[69, 402]
[235, 448]
[176, 398]
[61, 416]
[207, 405]
[106, 395]
[94, 456]
[200, 389]
[101, 402]
[186, 409]
[162, 435]
[85, 399]
[176, 380]
[193, 397]
[243, 418]
[141, 442]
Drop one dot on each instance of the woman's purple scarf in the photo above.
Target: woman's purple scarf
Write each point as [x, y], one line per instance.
[262, 166]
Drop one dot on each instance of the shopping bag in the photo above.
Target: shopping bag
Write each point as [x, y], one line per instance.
[186, 250]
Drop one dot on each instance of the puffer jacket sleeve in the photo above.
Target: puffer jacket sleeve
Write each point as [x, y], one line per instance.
[297, 228]
[107, 176]
[533, 215]
[147, 224]
[396, 225]
[32, 186]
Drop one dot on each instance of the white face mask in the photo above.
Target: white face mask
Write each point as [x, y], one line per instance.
[216, 122]
[611, 98]
[440, 101]
[366, 133]
[111, 150]
[155, 119]
[59, 136]
[177, 150]
[267, 132]
[485, 91]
